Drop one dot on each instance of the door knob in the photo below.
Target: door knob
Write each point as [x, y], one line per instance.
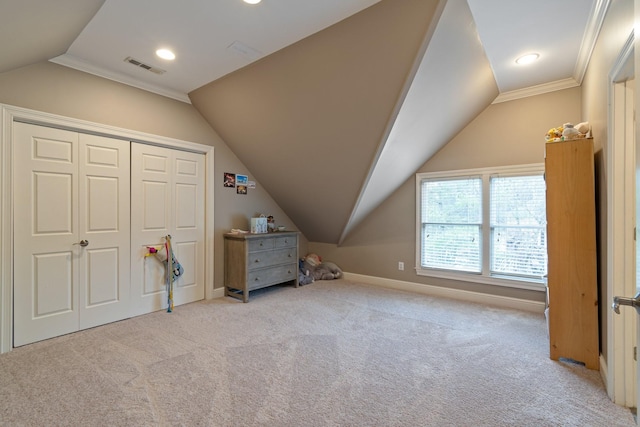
[82, 243]
[631, 302]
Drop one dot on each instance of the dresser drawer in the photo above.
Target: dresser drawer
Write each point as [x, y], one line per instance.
[261, 244]
[274, 257]
[286, 242]
[270, 276]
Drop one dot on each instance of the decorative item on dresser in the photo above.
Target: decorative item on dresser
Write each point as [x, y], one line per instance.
[255, 261]
[571, 246]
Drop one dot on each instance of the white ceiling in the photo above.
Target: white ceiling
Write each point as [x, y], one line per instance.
[202, 31]
[561, 31]
[202, 34]
[97, 35]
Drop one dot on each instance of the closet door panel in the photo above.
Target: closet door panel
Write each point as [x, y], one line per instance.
[104, 223]
[151, 223]
[188, 232]
[46, 271]
[150, 204]
[53, 284]
[187, 254]
[167, 199]
[102, 277]
[155, 196]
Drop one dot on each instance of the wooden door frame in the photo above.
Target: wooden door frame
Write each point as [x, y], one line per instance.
[9, 115]
[616, 369]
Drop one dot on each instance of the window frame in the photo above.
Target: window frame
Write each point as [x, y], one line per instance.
[485, 276]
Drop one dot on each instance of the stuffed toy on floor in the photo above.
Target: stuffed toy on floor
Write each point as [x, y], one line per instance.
[304, 275]
[320, 270]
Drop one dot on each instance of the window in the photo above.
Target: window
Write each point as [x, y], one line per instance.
[483, 225]
[452, 224]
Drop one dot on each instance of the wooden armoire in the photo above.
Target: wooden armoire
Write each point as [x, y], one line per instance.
[571, 234]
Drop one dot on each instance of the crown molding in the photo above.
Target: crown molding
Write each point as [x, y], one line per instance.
[589, 39]
[536, 90]
[81, 65]
[594, 24]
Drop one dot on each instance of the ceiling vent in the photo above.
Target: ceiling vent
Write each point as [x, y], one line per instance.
[244, 50]
[137, 63]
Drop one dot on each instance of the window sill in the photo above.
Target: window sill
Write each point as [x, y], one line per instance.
[529, 284]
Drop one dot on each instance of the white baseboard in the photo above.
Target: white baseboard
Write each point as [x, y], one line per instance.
[217, 293]
[477, 297]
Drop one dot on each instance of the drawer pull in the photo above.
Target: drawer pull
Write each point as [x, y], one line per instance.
[256, 261]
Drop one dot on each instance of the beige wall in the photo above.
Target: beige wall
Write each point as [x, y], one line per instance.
[504, 134]
[508, 133]
[595, 100]
[317, 110]
[62, 91]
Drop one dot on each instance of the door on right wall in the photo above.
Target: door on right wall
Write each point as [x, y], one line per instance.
[167, 198]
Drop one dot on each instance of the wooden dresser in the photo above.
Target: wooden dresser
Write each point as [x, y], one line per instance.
[255, 261]
[571, 246]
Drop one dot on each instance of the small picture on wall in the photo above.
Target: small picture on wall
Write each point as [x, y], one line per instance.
[241, 189]
[252, 184]
[229, 179]
[242, 180]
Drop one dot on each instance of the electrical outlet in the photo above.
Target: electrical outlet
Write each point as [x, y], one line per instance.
[400, 265]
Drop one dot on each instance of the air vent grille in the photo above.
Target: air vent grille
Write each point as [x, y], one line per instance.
[139, 64]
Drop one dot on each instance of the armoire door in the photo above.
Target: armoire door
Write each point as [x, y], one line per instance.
[71, 232]
[168, 196]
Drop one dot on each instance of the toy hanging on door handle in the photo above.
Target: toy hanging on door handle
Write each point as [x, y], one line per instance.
[173, 267]
[161, 254]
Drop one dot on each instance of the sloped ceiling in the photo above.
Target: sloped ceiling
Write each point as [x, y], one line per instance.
[334, 123]
[312, 121]
[431, 113]
[307, 120]
[22, 24]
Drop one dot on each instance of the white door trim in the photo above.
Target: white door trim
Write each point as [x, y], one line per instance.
[9, 115]
[620, 248]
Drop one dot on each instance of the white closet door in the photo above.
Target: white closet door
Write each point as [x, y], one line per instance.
[70, 188]
[45, 229]
[168, 197]
[187, 236]
[105, 224]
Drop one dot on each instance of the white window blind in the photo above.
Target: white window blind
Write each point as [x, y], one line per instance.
[518, 226]
[485, 225]
[451, 224]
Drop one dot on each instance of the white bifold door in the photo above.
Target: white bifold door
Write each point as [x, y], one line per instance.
[86, 210]
[71, 231]
[167, 198]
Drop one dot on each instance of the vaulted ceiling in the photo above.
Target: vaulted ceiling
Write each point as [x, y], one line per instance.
[331, 105]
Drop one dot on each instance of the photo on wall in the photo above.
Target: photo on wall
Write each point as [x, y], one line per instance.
[229, 179]
[242, 179]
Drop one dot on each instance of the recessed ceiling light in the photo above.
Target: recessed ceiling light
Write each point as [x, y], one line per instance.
[527, 59]
[252, 1]
[166, 54]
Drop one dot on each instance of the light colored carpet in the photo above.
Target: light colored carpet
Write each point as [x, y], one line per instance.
[332, 353]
